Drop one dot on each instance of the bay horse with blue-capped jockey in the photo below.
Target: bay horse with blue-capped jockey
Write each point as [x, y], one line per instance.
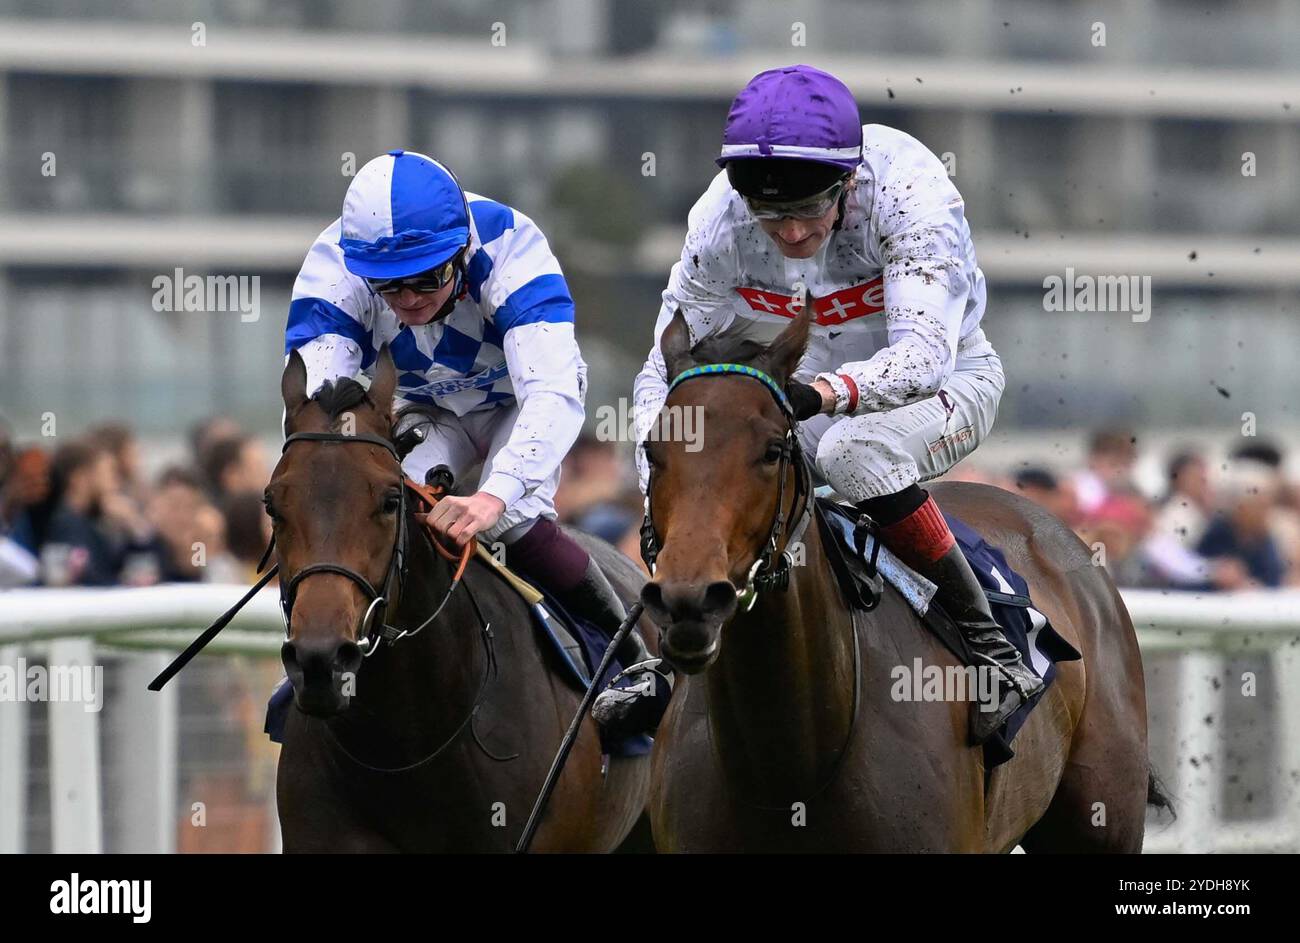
[427, 712]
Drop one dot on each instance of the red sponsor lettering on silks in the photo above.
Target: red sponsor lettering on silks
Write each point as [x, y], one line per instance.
[835, 308]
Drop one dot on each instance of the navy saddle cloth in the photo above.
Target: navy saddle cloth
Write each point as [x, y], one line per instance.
[1040, 645]
[589, 638]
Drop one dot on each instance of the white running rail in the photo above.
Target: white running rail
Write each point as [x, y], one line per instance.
[67, 626]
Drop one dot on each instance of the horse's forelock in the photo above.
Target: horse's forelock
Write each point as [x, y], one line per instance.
[334, 396]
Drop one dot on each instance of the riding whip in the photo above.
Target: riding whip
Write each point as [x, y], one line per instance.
[571, 735]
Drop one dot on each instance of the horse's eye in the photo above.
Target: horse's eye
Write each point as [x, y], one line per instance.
[270, 508]
[774, 453]
[392, 501]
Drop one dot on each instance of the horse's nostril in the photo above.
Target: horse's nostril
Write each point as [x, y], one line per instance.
[348, 657]
[719, 596]
[652, 597]
[289, 657]
[320, 659]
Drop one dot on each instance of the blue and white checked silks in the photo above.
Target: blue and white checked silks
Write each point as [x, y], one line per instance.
[510, 339]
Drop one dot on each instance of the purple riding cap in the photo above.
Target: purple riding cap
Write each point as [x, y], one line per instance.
[795, 112]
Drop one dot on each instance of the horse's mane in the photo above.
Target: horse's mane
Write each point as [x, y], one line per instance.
[418, 414]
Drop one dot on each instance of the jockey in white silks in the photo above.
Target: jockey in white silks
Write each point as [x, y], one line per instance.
[478, 318]
[899, 383]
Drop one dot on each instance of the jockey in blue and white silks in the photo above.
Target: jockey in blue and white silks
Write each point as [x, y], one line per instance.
[478, 318]
[899, 382]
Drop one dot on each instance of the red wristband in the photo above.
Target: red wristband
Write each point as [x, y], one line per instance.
[853, 392]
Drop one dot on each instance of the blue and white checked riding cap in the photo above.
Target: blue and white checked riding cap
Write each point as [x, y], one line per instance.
[404, 213]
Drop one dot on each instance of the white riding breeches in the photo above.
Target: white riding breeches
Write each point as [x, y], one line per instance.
[876, 454]
[467, 445]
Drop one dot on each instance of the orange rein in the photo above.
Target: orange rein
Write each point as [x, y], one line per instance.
[431, 496]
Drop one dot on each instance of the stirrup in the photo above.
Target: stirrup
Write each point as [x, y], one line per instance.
[616, 710]
[983, 725]
[650, 665]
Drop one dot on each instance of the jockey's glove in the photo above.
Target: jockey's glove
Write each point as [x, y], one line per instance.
[805, 401]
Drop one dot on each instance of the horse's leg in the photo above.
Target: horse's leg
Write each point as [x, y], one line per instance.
[1098, 807]
[639, 841]
[323, 825]
[1100, 802]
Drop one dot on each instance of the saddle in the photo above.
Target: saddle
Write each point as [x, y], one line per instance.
[855, 557]
[862, 566]
[560, 631]
[579, 646]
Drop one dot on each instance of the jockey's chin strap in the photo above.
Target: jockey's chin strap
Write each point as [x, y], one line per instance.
[373, 628]
[771, 570]
[458, 293]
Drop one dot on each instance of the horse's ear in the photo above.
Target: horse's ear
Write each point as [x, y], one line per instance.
[675, 345]
[385, 382]
[293, 383]
[783, 354]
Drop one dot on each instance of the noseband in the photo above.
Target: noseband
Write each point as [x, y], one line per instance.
[772, 568]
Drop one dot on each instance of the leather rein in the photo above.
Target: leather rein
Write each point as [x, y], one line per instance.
[374, 629]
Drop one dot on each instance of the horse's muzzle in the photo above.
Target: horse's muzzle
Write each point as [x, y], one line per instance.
[691, 616]
[323, 673]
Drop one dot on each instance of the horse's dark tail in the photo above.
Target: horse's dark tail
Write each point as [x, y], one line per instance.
[1158, 794]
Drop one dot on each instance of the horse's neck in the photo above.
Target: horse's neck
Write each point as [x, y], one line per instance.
[414, 694]
[781, 693]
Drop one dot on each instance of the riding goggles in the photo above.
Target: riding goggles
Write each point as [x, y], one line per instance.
[427, 281]
[813, 207]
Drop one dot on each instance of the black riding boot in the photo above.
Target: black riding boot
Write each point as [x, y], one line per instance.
[962, 597]
[620, 711]
[912, 526]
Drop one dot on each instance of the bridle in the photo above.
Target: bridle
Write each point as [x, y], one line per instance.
[771, 570]
[374, 628]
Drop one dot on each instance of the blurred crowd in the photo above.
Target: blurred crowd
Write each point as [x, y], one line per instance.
[1216, 525]
[83, 513]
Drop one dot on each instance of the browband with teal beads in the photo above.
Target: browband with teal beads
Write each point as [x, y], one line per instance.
[739, 369]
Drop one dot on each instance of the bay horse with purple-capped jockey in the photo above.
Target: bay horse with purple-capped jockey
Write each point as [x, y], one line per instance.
[782, 734]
